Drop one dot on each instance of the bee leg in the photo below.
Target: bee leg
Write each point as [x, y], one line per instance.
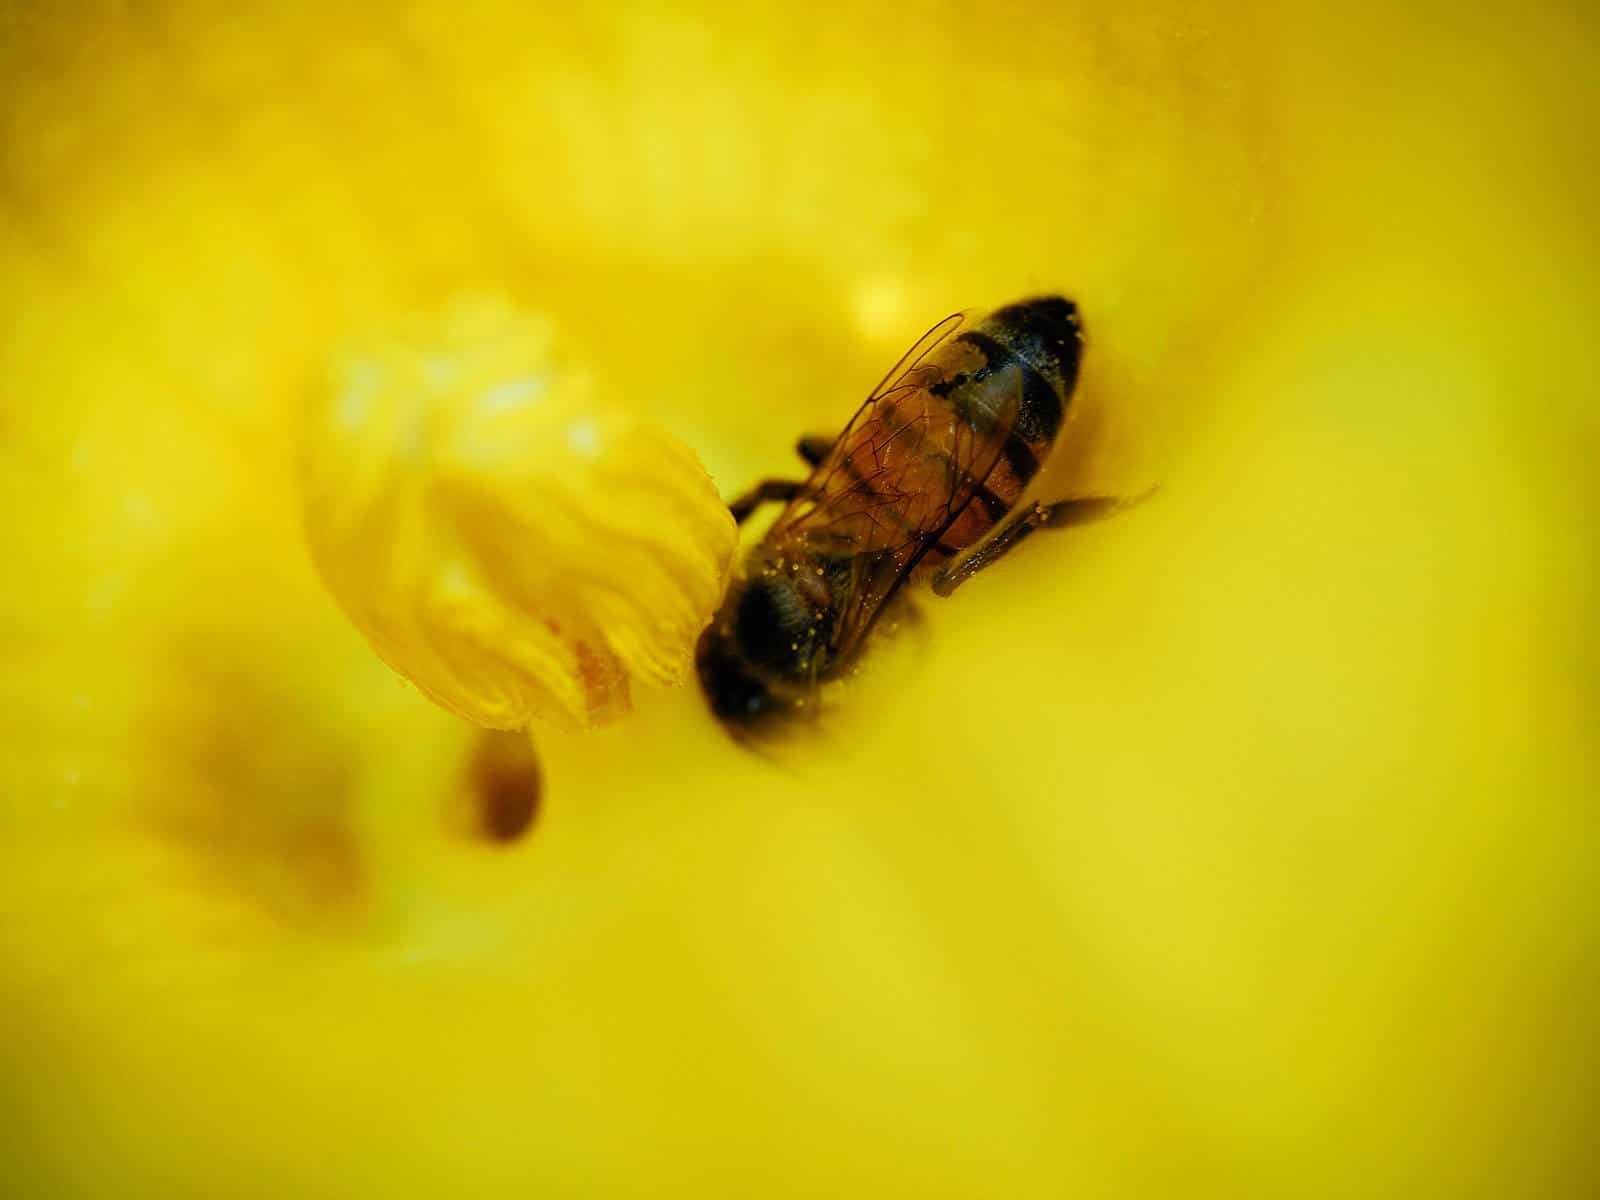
[1086, 509]
[1063, 514]
[814, 447]
[965, 567]
[766, 490]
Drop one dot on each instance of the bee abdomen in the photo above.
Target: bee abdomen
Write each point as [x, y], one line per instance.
[1038, 419]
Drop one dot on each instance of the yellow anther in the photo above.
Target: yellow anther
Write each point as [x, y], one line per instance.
[507, 538]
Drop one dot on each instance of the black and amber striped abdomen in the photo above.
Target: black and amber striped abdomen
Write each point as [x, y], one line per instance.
[1025, 354]
[965, 435]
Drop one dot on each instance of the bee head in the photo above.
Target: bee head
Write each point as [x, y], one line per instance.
[1044, 332]
[737, 693]
[756, 659]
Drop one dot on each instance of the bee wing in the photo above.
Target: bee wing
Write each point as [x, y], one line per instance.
[882, 570]
[816, 512]
[937, 335]
[897, 478]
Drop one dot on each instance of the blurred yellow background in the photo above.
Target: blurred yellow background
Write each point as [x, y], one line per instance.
[1240, 846]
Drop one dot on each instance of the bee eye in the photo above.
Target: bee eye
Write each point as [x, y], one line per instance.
[735, 691]
[772, 618]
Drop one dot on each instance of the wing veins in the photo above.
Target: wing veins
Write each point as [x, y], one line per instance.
[891, 384]
[962, 462]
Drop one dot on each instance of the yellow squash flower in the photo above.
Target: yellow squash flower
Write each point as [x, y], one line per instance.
[1231, 847]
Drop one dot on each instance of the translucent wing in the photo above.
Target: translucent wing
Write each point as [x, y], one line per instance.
[841, 501]
[899, 475]
[879, 573]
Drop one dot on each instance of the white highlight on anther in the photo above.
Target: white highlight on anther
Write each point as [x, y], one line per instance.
[584, 438]
[355, 400]
[439, 370]
[513, 392]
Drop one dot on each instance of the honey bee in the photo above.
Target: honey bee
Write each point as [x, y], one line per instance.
[924, 483]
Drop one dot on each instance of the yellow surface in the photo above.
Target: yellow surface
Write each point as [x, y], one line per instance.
[1240, 846]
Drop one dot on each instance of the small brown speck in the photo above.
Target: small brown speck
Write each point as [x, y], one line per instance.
[506, 785]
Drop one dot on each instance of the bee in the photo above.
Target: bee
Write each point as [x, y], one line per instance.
[924, 484]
